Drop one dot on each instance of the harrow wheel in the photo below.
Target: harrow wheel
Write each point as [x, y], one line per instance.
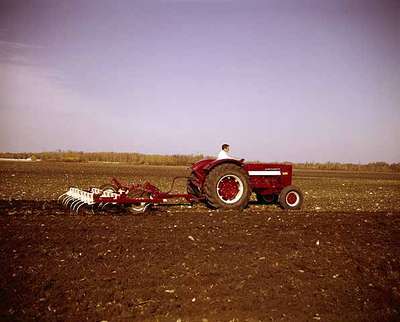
[141, 207]
[227, 186]
[109, 188]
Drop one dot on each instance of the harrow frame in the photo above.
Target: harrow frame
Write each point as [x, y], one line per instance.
[142, 196]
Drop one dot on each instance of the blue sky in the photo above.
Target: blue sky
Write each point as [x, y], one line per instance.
[279, 80]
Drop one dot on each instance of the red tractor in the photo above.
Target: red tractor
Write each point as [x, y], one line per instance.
[229, 183]
[224, 184]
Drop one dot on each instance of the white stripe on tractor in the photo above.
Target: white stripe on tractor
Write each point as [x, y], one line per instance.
[265, 173]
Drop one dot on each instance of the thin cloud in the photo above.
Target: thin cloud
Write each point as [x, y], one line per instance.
[18, 45]
[16, 52]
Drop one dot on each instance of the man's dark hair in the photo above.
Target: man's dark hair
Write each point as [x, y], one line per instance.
[224, 146]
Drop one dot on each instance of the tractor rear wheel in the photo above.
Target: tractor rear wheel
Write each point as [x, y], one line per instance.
[191, 188]
[227, 186]
[291, 198]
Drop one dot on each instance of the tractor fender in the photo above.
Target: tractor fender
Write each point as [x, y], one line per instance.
[215, 163]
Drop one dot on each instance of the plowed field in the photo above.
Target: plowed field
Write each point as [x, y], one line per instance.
[338, 259]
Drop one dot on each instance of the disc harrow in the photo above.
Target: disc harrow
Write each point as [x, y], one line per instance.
[137, 198]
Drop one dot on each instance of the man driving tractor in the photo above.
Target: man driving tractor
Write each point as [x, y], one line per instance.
[223, 154]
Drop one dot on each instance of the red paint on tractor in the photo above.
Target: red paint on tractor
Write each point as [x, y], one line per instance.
[263, 184]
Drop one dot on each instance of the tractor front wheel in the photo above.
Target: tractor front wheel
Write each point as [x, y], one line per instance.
[291, 198]
[227, 186]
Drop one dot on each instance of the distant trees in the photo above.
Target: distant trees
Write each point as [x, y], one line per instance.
[372, 166]
[134, 158]
[178, 159]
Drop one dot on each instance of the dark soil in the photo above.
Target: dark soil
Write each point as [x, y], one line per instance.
[340, 262]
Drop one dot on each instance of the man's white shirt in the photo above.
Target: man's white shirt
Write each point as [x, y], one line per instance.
[223, 155]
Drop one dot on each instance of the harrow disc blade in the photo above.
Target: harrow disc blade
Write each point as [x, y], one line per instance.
[76, 201]
[68, 200]
[62, 197]
[80, 205]
[76, 205]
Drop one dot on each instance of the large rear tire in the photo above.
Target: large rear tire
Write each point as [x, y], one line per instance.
[191, 188]
[291, 198]
[227, 187]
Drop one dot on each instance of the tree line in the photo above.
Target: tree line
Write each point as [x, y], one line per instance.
[177, 159]
[134, 158]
